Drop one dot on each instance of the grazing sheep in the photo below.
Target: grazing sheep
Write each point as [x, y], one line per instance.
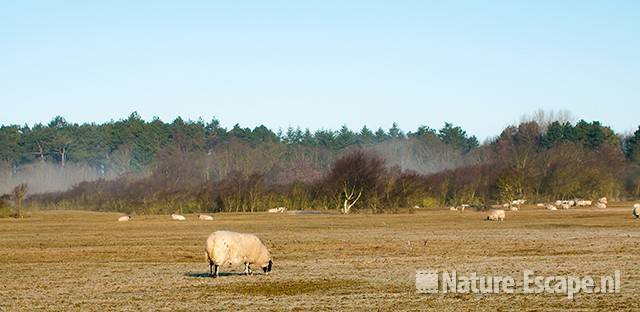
[601, 205]
[205, 217]
[551, 207]
[603, 200]
[496, 215]
[231, 248]
[178, 217]
[636, 211]
[277, 210]
[124, 218]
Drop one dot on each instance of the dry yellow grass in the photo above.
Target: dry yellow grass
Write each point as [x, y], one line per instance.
[85, 261]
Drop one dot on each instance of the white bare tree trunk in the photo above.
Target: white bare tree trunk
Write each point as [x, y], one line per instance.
[350, 198]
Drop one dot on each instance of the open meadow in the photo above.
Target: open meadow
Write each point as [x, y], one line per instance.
[86, 261]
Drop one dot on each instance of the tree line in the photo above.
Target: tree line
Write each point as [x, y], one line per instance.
[253, 170]
[133, 144]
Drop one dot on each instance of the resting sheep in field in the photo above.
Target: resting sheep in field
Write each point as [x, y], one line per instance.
[496, 215]
[231, 248]
[551, 207]
[453, 208]
[540, 205]
[601, 205]
[565, 206]
[636, 211]
[603, 200]
[177, 217]
[124, 218]
[277, 210]
[558, 203]
[205, 217]
[583, 203]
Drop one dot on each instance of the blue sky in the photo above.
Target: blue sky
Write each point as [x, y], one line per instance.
[321, 64]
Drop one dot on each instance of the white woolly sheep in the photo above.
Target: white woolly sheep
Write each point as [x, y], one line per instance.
[453, 208]
[518, 202]
[513, 208]
[124, 218]
[583, 203]
[277, 210]
[603, 200]
[558, 202]
[231, 248]
[540, 205]
[205, 217]
[601, 205]
[636, 211]
[565, 206]
[551, 207]
[177, 217]
[496, 215]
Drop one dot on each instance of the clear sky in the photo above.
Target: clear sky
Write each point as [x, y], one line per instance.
[321, 64]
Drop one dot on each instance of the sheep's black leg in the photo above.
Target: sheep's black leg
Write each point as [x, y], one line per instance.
[216, 267]
[210, 268]
[247, 270]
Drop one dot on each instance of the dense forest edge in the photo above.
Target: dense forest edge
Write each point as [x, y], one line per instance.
[137, 166]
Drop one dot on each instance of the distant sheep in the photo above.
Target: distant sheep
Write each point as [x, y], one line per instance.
[513, 208]
[583, 203]
[565, 206]
[124, 218]
[603, 200]
[518, 202]
[496, 215]
[277, 210]
[540, 205]
[231, 248]
[453, 208]
[463, 207]
[177, 217]
[636, 211]
[558, 202]
[551, 207]
[205, 217]
[601, 205]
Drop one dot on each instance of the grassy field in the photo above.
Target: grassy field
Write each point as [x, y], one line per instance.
[85, 261]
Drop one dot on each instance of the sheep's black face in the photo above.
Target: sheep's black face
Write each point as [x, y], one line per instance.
[267, 268]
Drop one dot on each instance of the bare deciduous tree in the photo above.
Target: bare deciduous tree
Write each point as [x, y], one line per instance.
[19, 192]
[350, 198]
